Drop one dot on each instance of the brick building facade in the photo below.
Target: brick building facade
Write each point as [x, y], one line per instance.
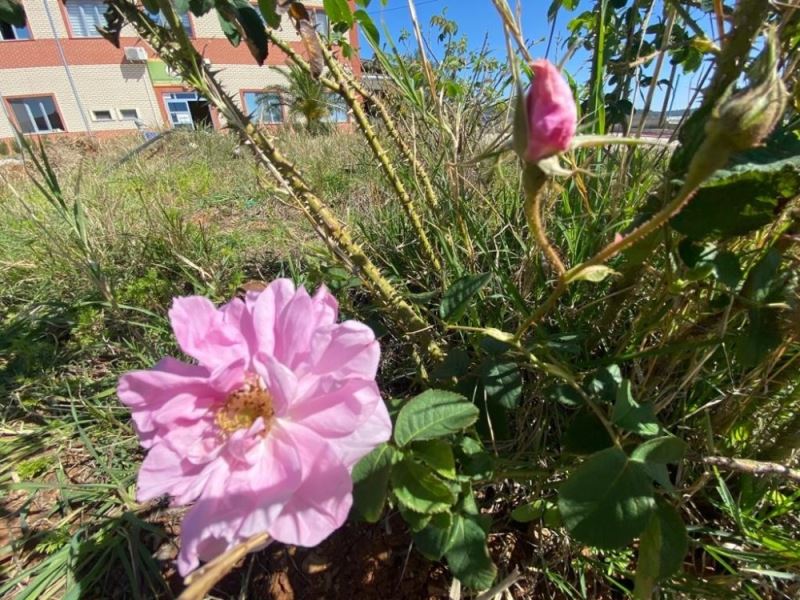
[58, 76]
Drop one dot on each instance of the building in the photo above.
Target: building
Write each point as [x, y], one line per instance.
[59, 77]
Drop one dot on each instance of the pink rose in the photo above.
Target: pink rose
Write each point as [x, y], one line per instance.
[262, 434]
[552, 116]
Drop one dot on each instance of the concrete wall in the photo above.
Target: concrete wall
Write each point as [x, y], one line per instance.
[100, 87]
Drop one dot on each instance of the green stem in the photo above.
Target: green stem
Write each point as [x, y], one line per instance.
[711, 156]
[383, 158]
[174, 47]
[535, 180]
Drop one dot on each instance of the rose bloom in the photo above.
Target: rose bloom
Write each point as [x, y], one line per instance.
[551, 113]
[262, 434]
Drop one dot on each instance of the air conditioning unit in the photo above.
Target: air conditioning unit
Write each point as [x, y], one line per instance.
[135, 54]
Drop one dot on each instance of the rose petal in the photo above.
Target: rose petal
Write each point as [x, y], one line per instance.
[203, 333]
[345, 350]
[322, 502]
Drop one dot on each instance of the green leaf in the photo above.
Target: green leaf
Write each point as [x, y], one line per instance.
[632, 416]
[468, 555]
[762, 280]
[661, 450]
[433, 414]
[595, 274]
[727, 269]
[229, 29]
[434, 540]
[655, 454]
[662, 549]
[457, 298]
[525, 513]
[607, 501]
[760, 337]
[371, 482]
[418, 489]
[586, 434]
[565, 394]
[338, 11]
[502, 382]
[605, 382]
[437, 454]
[455, 364]
[698, 257]
[268, 9]
[416, 521]
[368, 27]
[254, 30]
[12, 12]
[520, 131]
[739, 200]
[476, 462]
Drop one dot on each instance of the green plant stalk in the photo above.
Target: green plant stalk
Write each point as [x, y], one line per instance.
[383, 158]
[177, 51]
[383, 112]
[711, 156]
[598, 105]
[535, 180]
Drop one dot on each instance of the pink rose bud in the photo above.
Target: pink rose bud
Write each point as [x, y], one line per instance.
[551, 113]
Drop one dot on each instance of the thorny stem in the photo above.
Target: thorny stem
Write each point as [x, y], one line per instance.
[176, 50]
[752, 467]
[711, 156]
[534, 186]
[383, 158]
[383, 112]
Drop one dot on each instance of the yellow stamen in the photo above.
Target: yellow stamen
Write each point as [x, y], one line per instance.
[244, 406]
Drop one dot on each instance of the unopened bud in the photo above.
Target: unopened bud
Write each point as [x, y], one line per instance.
[744, 119]
[546, 117]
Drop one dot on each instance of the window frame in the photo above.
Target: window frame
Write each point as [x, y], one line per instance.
[341, 103]
[189, 21]
[265, 91]
[52, 97]
[121, 117]
[320, 10]
[94, 34]
[14, 28]
[94, 112]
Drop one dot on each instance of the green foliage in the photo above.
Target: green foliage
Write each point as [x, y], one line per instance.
[433, 414]
[662, 548]
[740, 200]
[608, 500]
[12, 12]
[534, 397]
[457, 298]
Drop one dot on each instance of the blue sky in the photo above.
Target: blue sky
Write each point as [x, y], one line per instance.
[478, 19]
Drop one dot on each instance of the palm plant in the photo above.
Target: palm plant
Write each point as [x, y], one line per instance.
[307, 98]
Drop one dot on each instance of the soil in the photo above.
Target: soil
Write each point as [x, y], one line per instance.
[358, 562]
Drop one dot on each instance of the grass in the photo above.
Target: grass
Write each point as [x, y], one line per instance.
[70, 524]
[76, 312]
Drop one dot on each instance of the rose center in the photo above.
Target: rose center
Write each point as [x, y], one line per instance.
[245, 405]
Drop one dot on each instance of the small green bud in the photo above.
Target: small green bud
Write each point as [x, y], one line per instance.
[744, 119]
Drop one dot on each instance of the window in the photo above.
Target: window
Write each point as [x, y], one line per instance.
[337, 109]
[158, 19]
[36, 115]
[85, 16]
[102, 115]
[264, 107]
[12, 32]
[128, 114]
[321, 22]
